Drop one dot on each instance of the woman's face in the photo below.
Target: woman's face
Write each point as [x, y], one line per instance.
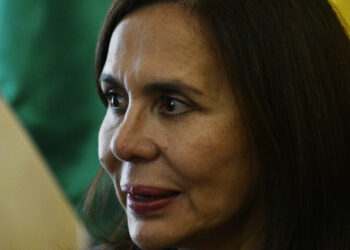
[172, 139]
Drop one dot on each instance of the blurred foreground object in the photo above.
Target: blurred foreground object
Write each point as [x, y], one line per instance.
[33, 212]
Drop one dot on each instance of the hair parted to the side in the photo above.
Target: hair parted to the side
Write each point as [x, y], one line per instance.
[289, 66]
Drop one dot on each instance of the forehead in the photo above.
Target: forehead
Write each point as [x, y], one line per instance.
[166, 24]
[159, 39]
[156, 27]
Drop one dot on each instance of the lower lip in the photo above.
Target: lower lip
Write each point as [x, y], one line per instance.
[149, 207]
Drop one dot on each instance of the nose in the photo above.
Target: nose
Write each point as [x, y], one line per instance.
[132, 140]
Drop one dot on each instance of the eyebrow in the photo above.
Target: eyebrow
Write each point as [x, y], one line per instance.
[110, 80]
[161, 86]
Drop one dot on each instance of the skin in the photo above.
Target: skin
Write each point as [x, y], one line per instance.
[191, 141]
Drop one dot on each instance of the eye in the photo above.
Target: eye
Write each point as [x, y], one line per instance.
[171, 106]
[116, 101]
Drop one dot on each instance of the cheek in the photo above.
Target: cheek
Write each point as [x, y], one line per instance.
[111, 165]
[211, 150]
[104, 144]
[103, 140]
[215, 166]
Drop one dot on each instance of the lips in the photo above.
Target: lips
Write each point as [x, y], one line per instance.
[145, 200]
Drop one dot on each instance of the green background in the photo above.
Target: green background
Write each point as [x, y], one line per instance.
[47, 76]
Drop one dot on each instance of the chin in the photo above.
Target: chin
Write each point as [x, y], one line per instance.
[149, 238]
[151, 243]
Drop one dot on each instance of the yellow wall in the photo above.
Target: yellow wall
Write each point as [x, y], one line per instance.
[344, 8]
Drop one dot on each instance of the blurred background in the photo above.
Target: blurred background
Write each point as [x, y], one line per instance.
[47, 76]
[47, 82]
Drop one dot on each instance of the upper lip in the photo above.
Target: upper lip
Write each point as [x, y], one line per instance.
[147, 190]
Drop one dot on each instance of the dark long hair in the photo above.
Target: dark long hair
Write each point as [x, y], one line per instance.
[289, 66]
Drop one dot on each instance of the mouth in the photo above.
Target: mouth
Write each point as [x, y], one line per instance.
[146, 200]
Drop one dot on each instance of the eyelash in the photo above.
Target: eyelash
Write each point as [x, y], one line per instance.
[163, 101]
[168, 98]
[110, 96]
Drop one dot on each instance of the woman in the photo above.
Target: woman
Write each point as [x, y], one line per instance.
[227, 124]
